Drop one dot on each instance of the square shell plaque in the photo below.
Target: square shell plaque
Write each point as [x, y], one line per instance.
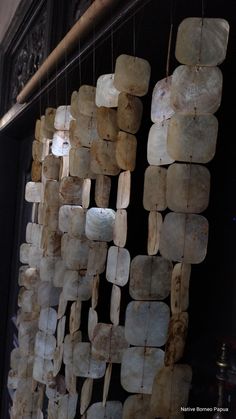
[103, 158]
[196, 89]
[150, 278]
[129, 113]
[188, 188]
[160, 107]
[137, 407]
[184, 237]
[157, 153]
[138, 368]
[109, 342]
[170, 391]
[126, 151]
[99, 224]
[111, 410]
[107, 123]
[192, 138]
[154, 194]
[146, 323]
[118, 263]
[202, 41]
[132, 75]
[106, 93]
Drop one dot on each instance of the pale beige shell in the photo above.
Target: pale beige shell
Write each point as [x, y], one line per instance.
[132, 75]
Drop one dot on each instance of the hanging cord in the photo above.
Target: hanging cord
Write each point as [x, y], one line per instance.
[80, 69]
[94, 57]
[56, 84]
[66, 78]
[134, 35]
[203, 9]
[172, 12]
[48, 101]
[202, 21]
[112, 50]
[40, 99]
[169, 50]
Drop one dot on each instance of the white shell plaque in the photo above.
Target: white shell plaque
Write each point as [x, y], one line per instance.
[202, 41]
[192, 138]
[33, 191]
[62, 118]
[154, 194]
[188, 188]
[109, 342]
[184, 237]
[123, 190]
[139, 367]
[84, 364]
[132, 75]
[99, 224]
[157, 153]
[111, 410]
[150, 278]
[160, 107]
[106, 93]
[48, 320]
[61, 143]
[146, 323]
[196, 89]
[45, 345]
[118, 263]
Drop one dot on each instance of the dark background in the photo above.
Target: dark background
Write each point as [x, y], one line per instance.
[212, 309]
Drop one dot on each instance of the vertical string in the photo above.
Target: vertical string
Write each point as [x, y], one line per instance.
[48, 89]
[40, 98]
[80, 71]
[94, 56]
[202, 21]
[66, 91]
[134, 35]
[203, 9]
[168, 51]
[56, 82]
[112, 50]
[172, 6]
[66, 79]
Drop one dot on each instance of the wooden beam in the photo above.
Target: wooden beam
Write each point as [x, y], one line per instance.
[82, 27]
